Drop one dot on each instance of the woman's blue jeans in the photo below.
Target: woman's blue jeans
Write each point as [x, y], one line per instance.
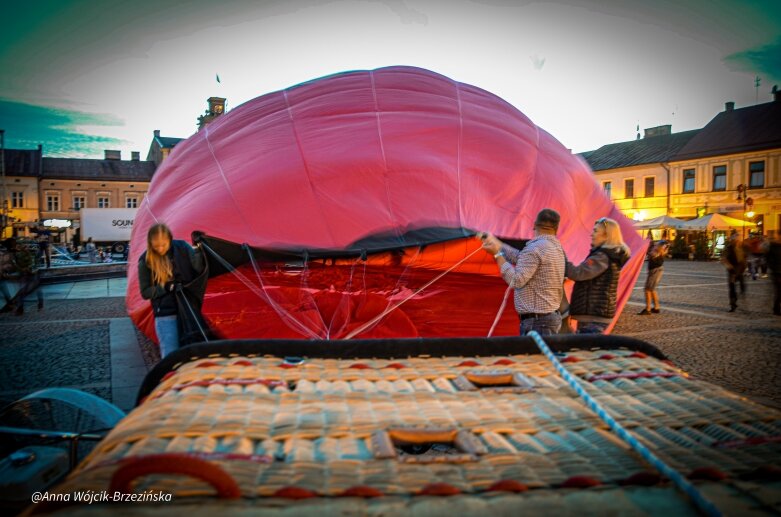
[167, 333]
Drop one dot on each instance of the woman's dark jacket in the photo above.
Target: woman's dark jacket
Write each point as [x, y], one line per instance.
[596, 282]
[187, 265]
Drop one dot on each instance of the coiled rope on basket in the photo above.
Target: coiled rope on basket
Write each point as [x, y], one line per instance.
[676, 477]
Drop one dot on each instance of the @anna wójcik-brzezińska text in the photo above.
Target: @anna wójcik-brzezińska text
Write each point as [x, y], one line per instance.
[102, 496]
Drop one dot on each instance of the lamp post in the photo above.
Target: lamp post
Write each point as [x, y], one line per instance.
[747, 201]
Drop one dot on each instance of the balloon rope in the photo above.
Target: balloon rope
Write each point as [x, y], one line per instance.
[303, 292]
[706, 506]
[387, 311]
[274, 305]
[501, 311]
[261, 293]
[401, 280]
[345, 299]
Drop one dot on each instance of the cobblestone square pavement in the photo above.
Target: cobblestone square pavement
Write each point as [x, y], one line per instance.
[83, 338]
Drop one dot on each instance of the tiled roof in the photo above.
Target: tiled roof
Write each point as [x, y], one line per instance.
[22, 162]
[655, 149]
[87, 169]
[168, 141]
[735, 131]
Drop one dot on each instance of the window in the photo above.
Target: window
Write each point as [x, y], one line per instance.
[688, 181]
[131, 202]
[757, 174]
[79, 202]
[17, 199]
[103, 202]
[649, 187]
[608, 186]
[53, 202]
[720, 177]
[629, 188]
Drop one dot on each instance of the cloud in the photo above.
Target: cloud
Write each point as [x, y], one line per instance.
[763, 60]
[61, 132]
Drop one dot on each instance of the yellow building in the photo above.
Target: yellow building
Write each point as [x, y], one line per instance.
[69, 184]
[22, 170]
[636, 174]
[732, 166]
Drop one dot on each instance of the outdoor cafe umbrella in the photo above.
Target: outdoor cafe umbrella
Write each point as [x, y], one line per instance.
[659, 223]
[713, 222]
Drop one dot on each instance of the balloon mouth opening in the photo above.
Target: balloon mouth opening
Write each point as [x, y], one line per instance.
[417, 288]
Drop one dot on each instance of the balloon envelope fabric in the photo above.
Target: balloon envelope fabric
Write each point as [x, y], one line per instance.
[333, 175]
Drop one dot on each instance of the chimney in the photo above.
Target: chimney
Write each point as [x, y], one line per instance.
[729, 106]
[112, 155]
[157, 133]
[135, 156]
[651, 132]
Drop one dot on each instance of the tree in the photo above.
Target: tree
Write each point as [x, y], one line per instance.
[679, 249]
[701, 250]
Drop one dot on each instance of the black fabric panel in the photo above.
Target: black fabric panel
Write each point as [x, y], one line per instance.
[236, 254]
[387, 349]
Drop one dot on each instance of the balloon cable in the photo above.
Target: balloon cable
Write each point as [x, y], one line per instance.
[706, 506]
[501, 310]
[392, 308]
[260, 292]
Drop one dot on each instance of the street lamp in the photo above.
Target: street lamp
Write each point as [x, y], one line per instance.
[747, 201]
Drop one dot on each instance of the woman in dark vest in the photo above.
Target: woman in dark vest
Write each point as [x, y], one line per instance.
[164, 267]
[594, 296]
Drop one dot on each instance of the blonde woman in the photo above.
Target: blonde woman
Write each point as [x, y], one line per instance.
[164, 267]
[593, 302]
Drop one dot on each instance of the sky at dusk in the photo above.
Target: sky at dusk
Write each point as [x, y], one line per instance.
[83, 76]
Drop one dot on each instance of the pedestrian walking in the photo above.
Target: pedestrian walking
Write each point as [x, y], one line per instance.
[536, 273]
[656, 256]
[774, 264]
[734, 259]
[91, 250]
[594, 296]
[44, 244]
[163, 269]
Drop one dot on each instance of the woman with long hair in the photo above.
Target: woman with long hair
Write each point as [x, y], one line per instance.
[164, 267]
[594, 296]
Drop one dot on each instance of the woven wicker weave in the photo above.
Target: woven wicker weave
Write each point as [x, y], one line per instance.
[322, 426]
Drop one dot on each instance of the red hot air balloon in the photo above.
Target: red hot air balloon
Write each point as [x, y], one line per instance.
[346, 207]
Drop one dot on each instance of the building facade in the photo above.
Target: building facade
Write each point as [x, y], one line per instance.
[22, 171]
[732, 166]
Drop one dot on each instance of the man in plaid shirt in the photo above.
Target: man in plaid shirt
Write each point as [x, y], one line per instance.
[537, 275]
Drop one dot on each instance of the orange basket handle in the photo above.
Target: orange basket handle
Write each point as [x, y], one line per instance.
[175, 463]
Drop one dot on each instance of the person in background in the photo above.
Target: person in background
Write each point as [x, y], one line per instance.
[90, 249]
[536, 273]
[595, 293]
[163, 268]
[734, 259]
[774, 264]
[27, 272]
[44, 243]
[6, 274]
[656, 256]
